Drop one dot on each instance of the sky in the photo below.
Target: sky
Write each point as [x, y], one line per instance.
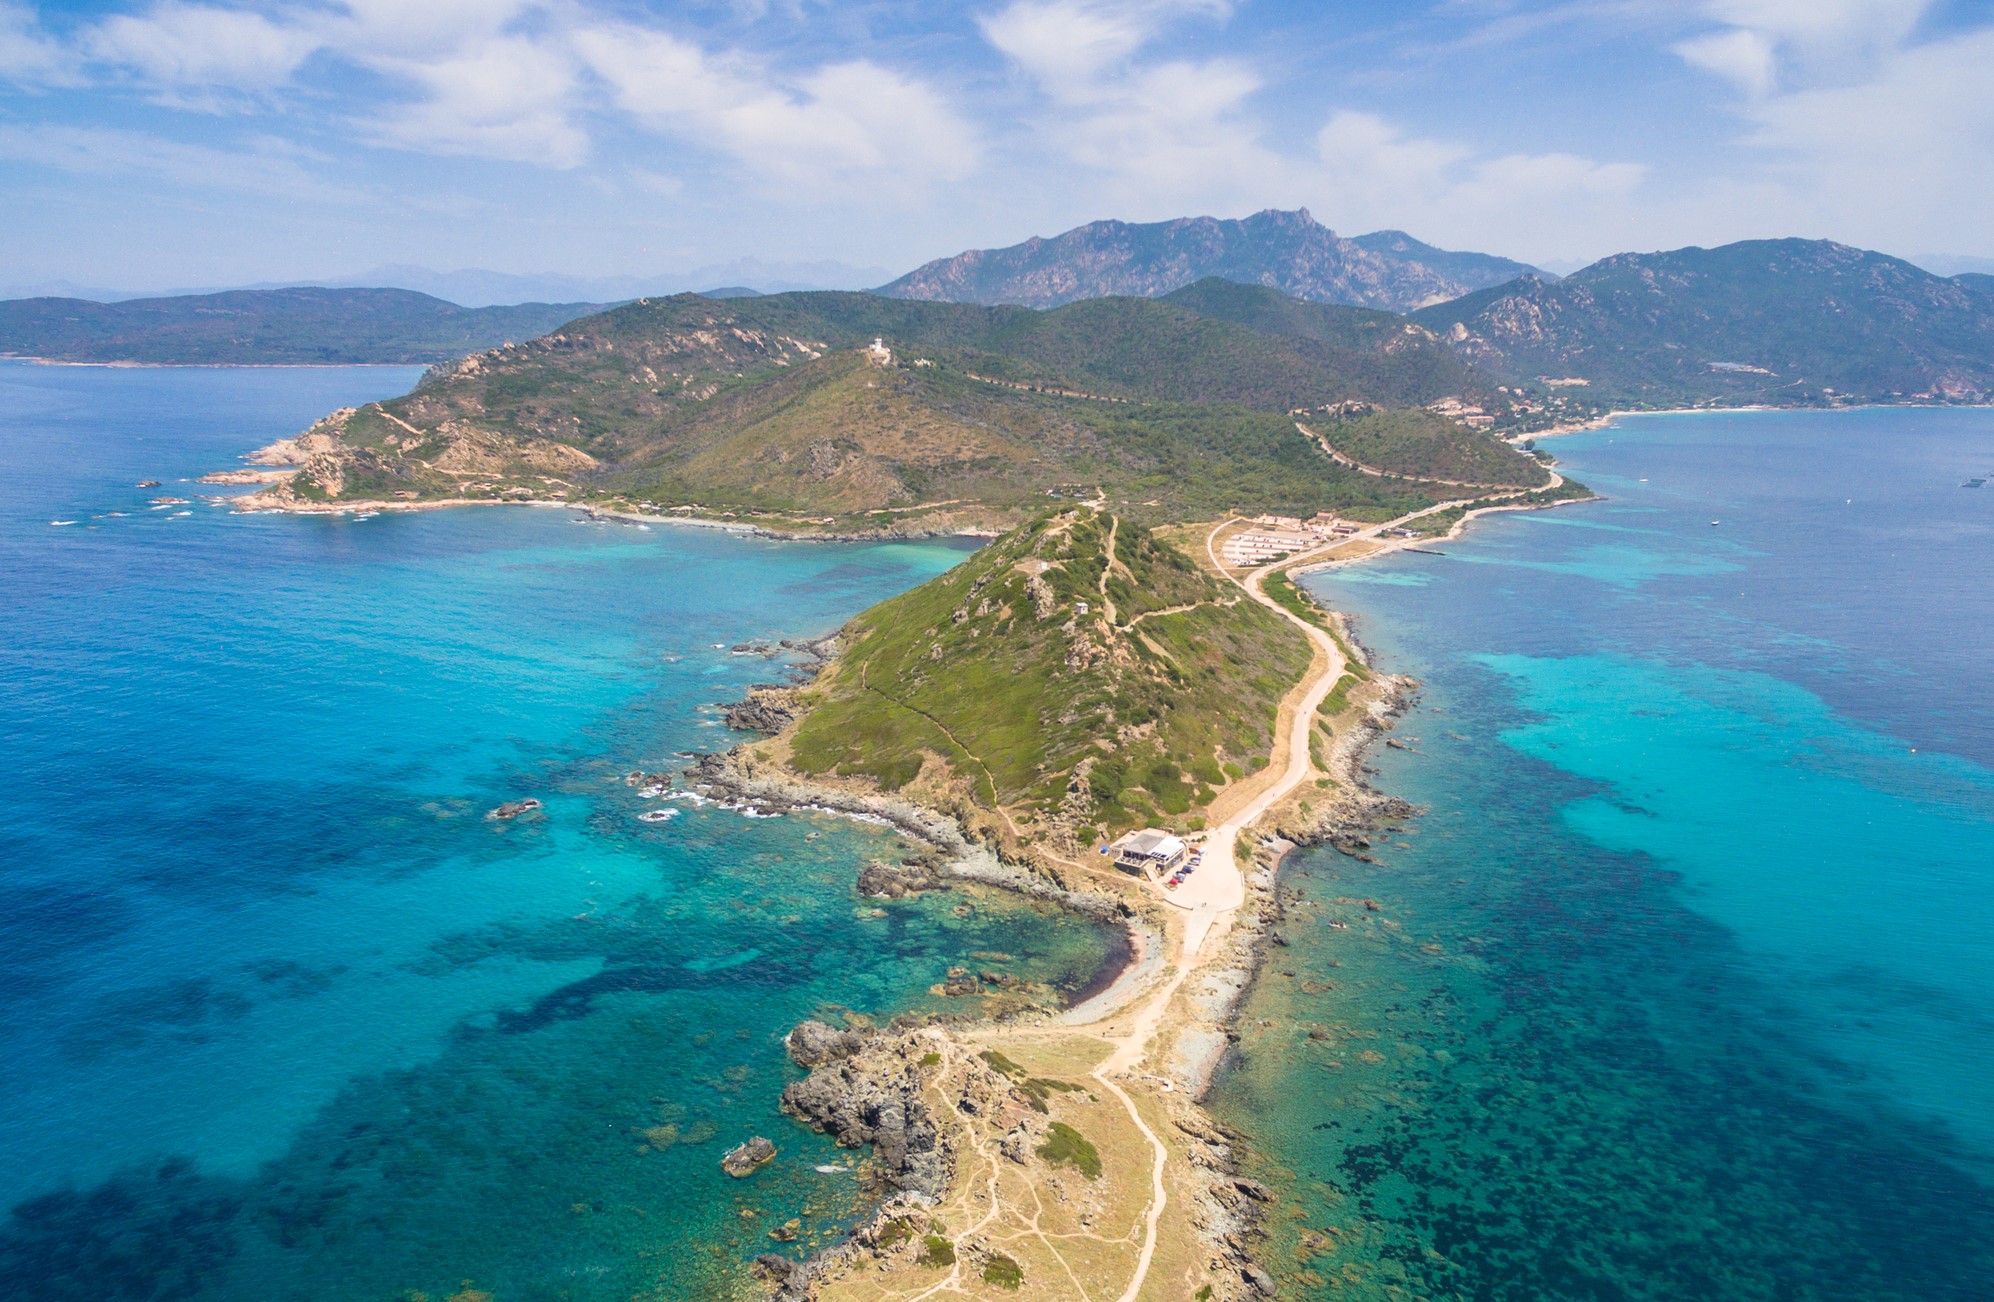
[147, 145]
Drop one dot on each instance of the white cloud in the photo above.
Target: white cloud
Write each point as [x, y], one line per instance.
[1861, 131]
[188, 51]
[1067, 46]
[505, 97]
[99, 151]
[375, 30]
[844, 122]
[1158, 134]
[1764, 44]
[1375, 175]
[1743, 58]
[1905, 155]
[27, 56]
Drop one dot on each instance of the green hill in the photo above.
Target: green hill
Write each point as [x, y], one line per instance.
[1078, 671]
[1775, 321]
[1420, 444]
[776, 405]
[270, 327]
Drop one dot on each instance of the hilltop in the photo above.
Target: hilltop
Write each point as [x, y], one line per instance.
[777, 407]
[1288, 251]
[270, 327]
[1078, 672]
[1791, 322]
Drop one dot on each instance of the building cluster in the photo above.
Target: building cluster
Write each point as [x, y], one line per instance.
[1467, 413]
[1275, 536]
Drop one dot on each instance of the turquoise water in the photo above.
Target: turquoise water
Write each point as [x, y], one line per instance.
[1680, 987]
[282, 1014]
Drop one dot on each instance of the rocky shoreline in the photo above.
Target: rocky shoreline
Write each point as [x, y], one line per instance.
[864, 1087]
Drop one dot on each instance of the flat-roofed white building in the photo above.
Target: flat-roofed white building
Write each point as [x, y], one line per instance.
[1150, 851]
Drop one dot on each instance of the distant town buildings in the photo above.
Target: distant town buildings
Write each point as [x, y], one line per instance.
[1282, 535]
[1467, 413]
[1256, 546]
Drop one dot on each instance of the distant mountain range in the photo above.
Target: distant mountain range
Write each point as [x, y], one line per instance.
[1777, 321]
[271, 326]
[1786, 322]
[482, 288]
[1288, 251]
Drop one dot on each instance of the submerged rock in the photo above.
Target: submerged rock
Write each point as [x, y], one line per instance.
[746, 1159]
[882, 879]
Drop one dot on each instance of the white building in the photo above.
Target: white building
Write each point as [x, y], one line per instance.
[1257, 545]
[1150, 851]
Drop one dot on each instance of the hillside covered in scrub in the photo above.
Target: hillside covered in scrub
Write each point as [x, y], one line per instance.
[1786, 322]
[781, 408]
[1080, 672]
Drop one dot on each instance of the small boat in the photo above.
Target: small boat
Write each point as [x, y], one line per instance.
[659, 815]
[1714, 524]
[1973, 483]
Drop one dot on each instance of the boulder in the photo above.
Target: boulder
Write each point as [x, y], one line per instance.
[812, 1044]
[746, 1159]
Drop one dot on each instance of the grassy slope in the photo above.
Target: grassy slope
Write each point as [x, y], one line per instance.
[1058, 713]
[288, 326]
[1415, 442]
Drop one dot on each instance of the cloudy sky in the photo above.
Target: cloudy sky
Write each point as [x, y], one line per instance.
[145, 145]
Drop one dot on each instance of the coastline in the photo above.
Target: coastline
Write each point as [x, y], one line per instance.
[1187, 1021]
[262, 503]
[206, 366]
[1185, 1024]
[1602, 422]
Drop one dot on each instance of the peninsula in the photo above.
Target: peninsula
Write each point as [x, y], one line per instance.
[1085, 683]
[1121, 704]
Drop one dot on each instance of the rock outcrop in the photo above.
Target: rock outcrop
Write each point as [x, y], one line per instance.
[876, 1089]
[813, 1043]
[767, 709]
[744, 1160]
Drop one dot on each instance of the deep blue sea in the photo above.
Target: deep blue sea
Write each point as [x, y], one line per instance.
[1683, 985]
[283, 1015]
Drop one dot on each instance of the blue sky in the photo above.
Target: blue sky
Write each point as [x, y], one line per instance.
[146, 145]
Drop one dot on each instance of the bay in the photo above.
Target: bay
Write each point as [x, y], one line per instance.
[283, 1013]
